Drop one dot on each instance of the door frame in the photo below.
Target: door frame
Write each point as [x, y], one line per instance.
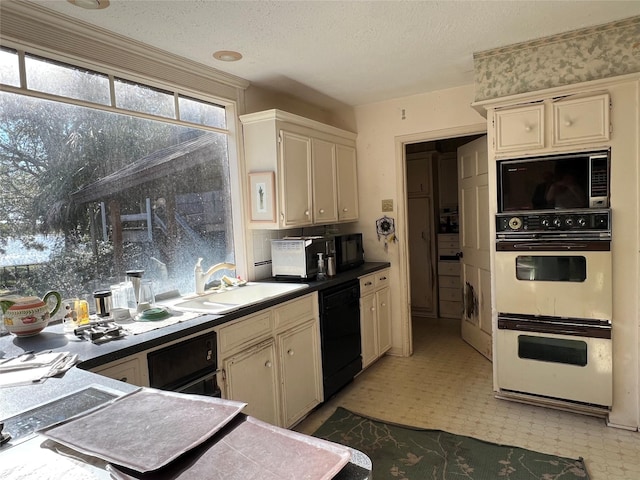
[401, 226]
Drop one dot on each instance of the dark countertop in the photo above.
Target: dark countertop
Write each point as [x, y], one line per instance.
[16, 399]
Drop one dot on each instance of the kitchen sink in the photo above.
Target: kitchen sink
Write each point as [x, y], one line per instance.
[233, 298]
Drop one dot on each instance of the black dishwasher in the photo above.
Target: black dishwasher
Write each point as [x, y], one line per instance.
[188, 366]
[340, 336]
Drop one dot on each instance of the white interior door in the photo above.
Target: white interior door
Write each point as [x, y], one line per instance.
[475, 244]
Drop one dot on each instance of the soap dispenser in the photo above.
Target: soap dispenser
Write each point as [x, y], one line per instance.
[321, 270]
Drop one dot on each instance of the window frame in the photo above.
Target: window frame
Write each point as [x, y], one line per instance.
[231, 120]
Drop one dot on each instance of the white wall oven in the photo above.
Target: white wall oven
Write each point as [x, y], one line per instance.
[553, 279]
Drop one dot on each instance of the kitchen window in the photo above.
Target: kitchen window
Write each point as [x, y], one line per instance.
[100, 174]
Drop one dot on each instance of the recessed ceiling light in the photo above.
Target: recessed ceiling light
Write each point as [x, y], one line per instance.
[90, 4]
[227, 56]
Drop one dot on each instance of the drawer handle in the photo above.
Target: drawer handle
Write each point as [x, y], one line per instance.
[527, 128]
[290, 352]
[368, 284]
[268, 364]
[568, 123]
[123, 379]
[383, 278]
[384, 304]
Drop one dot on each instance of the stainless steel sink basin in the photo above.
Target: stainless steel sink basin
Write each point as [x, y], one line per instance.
[234, 298]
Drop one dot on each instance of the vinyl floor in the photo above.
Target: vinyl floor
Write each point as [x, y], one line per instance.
[447, 385]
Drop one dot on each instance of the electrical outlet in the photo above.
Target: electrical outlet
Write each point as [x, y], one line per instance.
[387, 205]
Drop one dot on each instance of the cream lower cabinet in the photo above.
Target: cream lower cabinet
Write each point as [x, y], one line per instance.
[250, 376]
[128, 370]
[375, 319]
[271, 360]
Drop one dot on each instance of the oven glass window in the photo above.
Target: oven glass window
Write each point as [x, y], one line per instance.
[563, 268]
[556, 350]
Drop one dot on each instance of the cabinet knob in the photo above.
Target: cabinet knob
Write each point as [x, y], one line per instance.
[384, 304]
[345, 209]
[282, 215]
[322, 210]
[267, 364]
[373, 309]
[306, 213]
[123, 379]
[568, 123]
[366, 284]
[527, 128]
[290, 352]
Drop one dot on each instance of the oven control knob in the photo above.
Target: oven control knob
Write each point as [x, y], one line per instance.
[545, 222]
[582, 221]
[568, 222]
[515, 223]
[557, 222]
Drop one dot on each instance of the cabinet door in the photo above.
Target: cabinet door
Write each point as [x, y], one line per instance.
[520, 128]
[295, 185]
[368, 329]
[299, 355]
[383, 310]
[347, 176]
[419, 176]
[581, 120]
[421, 257]
[250, 377]
[325, 199]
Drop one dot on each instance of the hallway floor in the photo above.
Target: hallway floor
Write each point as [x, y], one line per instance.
[447, 385]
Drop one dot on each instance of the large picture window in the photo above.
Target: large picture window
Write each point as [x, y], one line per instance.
[88, 192]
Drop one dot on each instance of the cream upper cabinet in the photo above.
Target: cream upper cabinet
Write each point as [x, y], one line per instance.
[295, 178]
[314, 166]
[581, 120]
[520, 128]
[325, 196]
[347, 181]
[552, 125]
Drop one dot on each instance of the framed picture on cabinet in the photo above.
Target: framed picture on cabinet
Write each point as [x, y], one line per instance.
[262, 198]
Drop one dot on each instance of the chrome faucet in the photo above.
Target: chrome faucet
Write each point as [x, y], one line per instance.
[202, 277]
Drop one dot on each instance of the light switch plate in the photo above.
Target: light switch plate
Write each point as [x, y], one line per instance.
[387, 205]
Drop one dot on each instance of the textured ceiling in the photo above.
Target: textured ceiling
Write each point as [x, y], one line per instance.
[350, 52]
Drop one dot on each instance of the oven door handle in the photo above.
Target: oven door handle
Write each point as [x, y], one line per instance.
[557, 328]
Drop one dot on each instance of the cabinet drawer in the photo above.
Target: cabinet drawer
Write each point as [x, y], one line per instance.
[295, 311]
[367, 284]
[449, 281]
[449, 268]
[127, 371]
[448, 241]
[449, 294]
[381, 279]
[448, 252]
[246, 330]
[581, 120]
[520, 128]
[450, 309]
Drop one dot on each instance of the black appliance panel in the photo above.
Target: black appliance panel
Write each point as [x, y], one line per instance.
[188, 366]
[340, 336]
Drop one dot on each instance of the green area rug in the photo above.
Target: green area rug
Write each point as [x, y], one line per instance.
[406, 453]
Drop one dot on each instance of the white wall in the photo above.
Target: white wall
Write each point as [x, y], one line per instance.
[380, 126]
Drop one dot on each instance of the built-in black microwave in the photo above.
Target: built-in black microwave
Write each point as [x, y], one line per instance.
[349, 251]
[566, 181]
